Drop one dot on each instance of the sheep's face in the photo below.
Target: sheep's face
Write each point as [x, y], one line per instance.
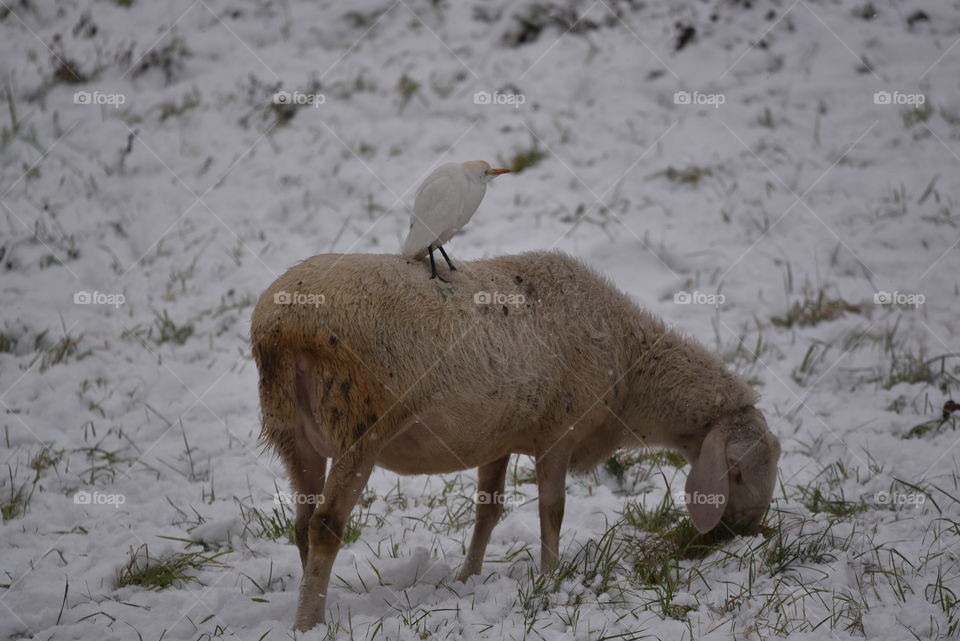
[732, 481]
[751, 476]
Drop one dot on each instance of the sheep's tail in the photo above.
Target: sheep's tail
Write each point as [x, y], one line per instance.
[279, 416]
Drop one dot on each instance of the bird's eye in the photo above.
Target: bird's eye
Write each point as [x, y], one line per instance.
[738, 477]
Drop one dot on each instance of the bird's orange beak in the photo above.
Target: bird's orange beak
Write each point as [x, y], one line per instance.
[497, 172]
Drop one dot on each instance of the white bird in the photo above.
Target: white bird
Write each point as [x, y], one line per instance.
[445, 201]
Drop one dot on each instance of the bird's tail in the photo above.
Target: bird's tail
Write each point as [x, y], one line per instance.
[413, 247]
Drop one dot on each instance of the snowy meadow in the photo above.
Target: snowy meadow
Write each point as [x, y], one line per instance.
[775, 179]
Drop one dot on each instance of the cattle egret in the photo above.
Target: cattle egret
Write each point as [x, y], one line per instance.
[445, 201]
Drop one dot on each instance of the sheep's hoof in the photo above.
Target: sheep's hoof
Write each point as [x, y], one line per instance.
[307, 621]
[310, 608]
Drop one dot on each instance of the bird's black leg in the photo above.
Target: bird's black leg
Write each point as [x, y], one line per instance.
[433, 267]
[446, 258]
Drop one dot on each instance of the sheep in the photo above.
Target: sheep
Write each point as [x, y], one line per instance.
[363, 361]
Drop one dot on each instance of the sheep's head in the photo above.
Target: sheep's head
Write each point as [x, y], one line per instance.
[732, 480]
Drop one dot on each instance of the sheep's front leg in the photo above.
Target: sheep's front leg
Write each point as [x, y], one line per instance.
[551, 487]
[491, 479]
[347, 478]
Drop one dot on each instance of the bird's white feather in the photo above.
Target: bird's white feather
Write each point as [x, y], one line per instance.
[445, 202]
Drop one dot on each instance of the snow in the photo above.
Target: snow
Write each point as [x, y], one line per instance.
[192, 195]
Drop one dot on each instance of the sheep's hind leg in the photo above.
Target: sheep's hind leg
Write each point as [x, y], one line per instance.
[347, 478]
[491, 479]
[551, 488]
[308, 482]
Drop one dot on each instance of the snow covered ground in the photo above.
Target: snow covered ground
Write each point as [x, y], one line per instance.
[778, 180]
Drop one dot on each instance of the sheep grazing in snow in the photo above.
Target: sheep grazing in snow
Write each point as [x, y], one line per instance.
[365, 362]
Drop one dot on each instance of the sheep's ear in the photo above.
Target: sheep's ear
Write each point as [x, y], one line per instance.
[708, 484]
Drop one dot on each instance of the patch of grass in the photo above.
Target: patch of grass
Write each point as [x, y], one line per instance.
[865, 12]
[103, 464]
[662, 458]
[169, 331]
[689, 175]
[523, 158]
[941, 595]
[765, 119]
[7, 343]
[657, 565]
[67, 71]
[946, 418]
[785, 551]
[168, 59]
[812, 311]
[163, 330]
[45, 459]
[915, 369]
[17, 500]
[748, 355]
[823, 496]
[815, 354]
[566, 18]
[623, 460]
[363, 20]
[190, 100]
[60, 352]
[820, 501]
[275, 525]
[407, 87]
[917, 115]
[661, 518]
[171, 570]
